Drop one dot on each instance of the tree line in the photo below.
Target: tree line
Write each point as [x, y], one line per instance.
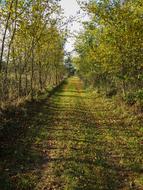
[31, 48]
[110, 48]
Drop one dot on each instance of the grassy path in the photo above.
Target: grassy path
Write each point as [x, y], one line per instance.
[82, 142]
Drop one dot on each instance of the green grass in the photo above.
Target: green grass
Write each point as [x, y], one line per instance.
[76, 140]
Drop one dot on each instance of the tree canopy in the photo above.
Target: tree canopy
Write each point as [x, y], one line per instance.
[110, 47]
[32, 47]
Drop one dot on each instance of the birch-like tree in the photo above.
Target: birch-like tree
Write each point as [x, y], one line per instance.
[31, 48]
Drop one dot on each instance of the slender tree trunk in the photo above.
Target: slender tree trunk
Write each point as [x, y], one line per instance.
[4, 36]
[15, 67]
[26, 84]
[32, 70]
[20, 85]
[40, 76]
[56, 77]
[9, 49]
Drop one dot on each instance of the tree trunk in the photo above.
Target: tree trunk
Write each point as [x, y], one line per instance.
[4, 36]
[32, 70]
[40, 76]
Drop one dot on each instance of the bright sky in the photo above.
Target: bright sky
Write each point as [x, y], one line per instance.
[70, 9]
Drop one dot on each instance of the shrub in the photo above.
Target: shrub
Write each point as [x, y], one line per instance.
[130, 98]
[139, 99]
[111, 92]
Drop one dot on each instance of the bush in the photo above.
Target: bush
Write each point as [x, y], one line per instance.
[139, 99]
[139, 95]
[111, 92]
[135, 98]
[130, 98]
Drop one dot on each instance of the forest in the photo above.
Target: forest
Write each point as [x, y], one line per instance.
[71, 119]
[110, 49]
[32, 49]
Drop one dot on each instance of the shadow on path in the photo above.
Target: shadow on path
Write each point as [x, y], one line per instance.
[63, 147]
